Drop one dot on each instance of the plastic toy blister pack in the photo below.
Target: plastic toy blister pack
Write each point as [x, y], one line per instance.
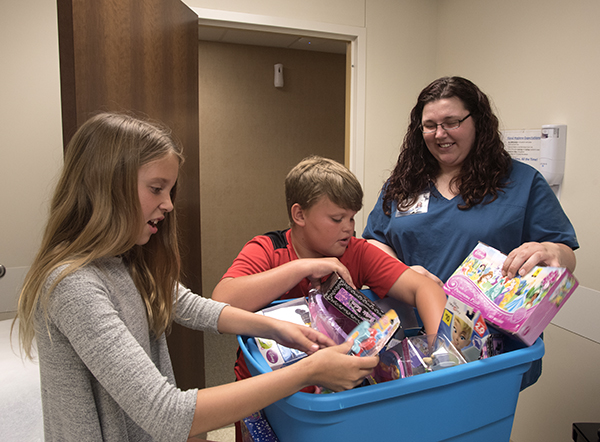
[369, 340]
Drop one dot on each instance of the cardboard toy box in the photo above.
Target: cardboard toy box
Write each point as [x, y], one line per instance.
[522, 306]
[275, 354]
[465, 328]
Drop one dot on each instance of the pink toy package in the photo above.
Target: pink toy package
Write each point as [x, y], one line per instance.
[522, 306]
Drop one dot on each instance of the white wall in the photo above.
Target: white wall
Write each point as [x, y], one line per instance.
[400, 62]
[341, 12]
[31, 137]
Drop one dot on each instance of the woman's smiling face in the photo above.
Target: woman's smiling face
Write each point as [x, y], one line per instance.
[449, 147]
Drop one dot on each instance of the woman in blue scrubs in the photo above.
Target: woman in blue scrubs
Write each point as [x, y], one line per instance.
[454, 184]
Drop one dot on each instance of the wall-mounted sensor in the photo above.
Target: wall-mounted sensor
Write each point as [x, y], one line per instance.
[278, 75]
[553, 148]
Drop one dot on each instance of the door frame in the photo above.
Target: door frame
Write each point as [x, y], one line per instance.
[356, 89]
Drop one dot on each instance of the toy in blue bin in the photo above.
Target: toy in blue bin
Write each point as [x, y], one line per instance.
[465, 327]
[487, 389]
[369, 340]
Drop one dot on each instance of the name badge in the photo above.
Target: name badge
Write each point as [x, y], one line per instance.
[420, 206]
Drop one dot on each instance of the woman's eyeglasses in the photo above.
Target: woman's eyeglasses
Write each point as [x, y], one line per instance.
[429, 128]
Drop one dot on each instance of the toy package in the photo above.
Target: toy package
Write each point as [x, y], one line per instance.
[327, 319]
[256, 428]
[522, 306]
[350, 302]
[428, 353]
[277, 355]
[392, 365]
[369, 340]
[465, 328]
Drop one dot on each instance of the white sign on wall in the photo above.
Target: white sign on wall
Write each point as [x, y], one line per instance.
[524, 145]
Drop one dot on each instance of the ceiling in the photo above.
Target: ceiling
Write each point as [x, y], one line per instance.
[261, 38]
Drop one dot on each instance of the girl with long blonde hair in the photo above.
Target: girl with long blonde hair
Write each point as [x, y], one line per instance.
[105, 287]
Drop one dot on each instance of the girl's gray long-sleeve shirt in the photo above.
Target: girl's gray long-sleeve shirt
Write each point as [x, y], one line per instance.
[104, 375]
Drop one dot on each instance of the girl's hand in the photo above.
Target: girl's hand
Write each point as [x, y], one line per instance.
[335, 370]
[301, 337]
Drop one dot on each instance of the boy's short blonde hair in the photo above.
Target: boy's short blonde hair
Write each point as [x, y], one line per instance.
[314, 177]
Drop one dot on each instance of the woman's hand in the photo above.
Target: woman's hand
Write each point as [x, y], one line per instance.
[525, 257]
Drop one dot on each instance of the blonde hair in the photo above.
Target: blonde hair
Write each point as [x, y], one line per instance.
[314, 177]
[94, 207]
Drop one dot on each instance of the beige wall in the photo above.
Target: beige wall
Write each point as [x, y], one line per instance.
[242, 171]
[31, 135]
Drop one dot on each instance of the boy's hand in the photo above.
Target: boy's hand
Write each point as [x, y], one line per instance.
[335, 370]
[301, 337]
[319, 268]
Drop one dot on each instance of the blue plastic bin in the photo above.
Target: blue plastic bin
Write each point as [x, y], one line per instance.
[471, 402]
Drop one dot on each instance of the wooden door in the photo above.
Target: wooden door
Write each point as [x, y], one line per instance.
[142, 55]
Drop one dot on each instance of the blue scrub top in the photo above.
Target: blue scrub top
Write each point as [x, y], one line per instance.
[438, 235]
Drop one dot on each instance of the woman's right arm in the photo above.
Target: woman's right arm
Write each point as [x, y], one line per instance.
[387, 249]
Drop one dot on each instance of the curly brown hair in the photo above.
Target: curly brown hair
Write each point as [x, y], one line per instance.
[482, 171]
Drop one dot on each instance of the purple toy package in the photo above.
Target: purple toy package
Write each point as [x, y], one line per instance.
[350, 302]
[522, 306]
[256, 428]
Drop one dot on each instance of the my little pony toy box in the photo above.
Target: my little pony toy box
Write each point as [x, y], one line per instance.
[522, 306]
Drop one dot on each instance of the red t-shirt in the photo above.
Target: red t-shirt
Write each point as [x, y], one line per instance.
[368, 266]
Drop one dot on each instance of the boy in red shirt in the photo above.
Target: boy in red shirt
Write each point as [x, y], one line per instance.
[322, 198]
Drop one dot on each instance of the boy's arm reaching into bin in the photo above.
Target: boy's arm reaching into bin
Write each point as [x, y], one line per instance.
[424, 294]
[329, 367]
